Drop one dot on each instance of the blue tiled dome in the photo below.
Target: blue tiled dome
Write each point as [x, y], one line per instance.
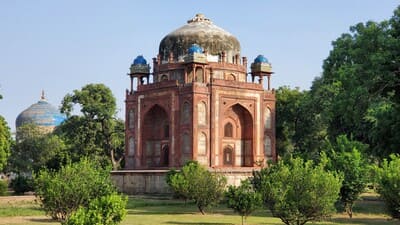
[195, 48]
[139, 60]
[42, 114]
[260, 59]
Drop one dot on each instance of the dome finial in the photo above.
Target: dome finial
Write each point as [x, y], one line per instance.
[43, 98]
[199, 18]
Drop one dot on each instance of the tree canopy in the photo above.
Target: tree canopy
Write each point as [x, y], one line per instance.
[96, 132]
[35, 149]
[5, 142]
[358, 93]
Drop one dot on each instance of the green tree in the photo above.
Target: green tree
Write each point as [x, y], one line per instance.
[389, 184]
[5, 142]
[299, 130]
[358, 93]
[298, 191]
[198, 184]
[35, 149]
[243, 199]
[346, 158]
[75, 185]
[96, 132]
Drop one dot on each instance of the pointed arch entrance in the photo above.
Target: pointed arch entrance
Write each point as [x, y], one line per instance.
[237, 132]
[155, 138]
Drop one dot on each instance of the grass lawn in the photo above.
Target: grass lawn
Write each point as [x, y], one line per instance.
[158, 210]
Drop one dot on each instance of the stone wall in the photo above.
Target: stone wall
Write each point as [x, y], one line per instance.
[133, 182]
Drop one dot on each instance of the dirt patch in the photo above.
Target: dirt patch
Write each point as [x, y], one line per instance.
[26, 220]
[17, 198]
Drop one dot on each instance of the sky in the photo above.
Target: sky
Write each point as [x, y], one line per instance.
[60, 46]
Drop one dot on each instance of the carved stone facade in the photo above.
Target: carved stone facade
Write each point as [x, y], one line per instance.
[199, 103]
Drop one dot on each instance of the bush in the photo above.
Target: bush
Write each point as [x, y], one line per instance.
[74, 185]
[107, 210]
[196, 183]
[3, 187]
[345, 157]
[389, 184]
[297, 192]
[243, 199]
[21, 184]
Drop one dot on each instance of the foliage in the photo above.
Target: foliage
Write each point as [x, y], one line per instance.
[389, 184]
[358, 93]
[96, 132]
[34, 150]
[21, 184]
[5, 142]
[75, 184]
[299, 130]
[3, 187]
[298, 191]
[198, 184]
[178, 183]
[106, 210]
[346, 158]
[243, 199]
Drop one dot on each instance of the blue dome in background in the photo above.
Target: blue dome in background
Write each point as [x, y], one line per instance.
[42, 114]
[261, 59]
[139, 60]
[195, 48]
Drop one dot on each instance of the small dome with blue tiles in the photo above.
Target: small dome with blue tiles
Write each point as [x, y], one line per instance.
[139, 60]
[195, 48]
[261, 59]
[42, 113]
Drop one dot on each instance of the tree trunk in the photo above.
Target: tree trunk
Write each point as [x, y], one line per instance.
[201, 210]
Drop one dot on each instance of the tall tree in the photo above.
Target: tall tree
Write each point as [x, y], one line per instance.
[96, 132]
[299, 128]
[5, 142]
[358, 92]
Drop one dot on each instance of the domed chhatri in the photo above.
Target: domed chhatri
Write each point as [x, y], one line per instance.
[201, 31]
[261, 59]
[195, 48]
[139, 66]
[42, 113]
[139, 60]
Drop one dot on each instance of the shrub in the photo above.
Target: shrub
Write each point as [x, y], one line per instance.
[297, 192]
[106, 210]
[3, 187]
[243, 199]
[21, 184]
[179, 184]
[198, 184]
[389, 184]
[74, 185]
[345, 157]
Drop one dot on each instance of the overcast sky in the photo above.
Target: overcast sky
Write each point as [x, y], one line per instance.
[60, 46]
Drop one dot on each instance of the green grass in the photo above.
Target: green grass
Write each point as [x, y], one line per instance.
[144, 210]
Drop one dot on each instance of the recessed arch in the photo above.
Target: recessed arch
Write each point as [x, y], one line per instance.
[242, 134]
[228, 129]
[200, 75]
[202, 113]
[267, 118]
[185, 117]
[154, 135]
[228, 156]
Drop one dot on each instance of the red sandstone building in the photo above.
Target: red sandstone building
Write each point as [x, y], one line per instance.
[200, 103]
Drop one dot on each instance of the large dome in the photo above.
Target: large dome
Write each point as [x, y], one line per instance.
[42, 113]
[203, 32]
